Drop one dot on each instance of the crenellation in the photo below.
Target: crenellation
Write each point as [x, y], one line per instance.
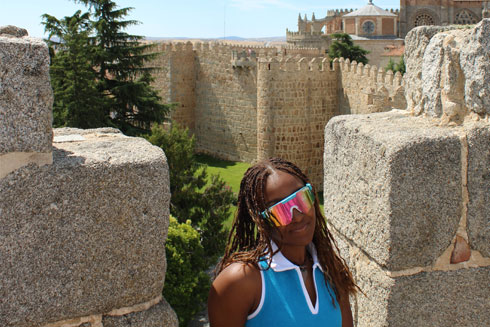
[347, 65]
[389, 77]
[360, 69]
[303, 65]
[353, 67]
[367, 70]
[398, 79]
[374, 73]
[381, 76]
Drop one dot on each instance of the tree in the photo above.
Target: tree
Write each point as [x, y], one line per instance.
[196, 236]
[343, 47]
[206, 206]
[186, 282]
[399, 67]
[119, 62]
[122, 74]
[76, 99]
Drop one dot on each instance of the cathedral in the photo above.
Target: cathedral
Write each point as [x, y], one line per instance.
[383, 31]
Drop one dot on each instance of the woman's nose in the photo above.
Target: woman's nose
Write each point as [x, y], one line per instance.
[297, 215]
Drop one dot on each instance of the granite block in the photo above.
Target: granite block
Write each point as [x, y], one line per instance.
[393, 186]
[479, 189]
[160, 315]
[85, 235]
[25, 94]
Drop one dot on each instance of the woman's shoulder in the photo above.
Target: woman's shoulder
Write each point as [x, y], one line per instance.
[239, 273]
[234, 294]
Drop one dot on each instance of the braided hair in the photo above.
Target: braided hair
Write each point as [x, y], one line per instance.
[250, 235]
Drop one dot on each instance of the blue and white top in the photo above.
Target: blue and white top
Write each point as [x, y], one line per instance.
[285, 301]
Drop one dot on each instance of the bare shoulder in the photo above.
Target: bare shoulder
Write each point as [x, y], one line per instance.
[234, 294]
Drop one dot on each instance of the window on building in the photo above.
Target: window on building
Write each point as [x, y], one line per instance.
[423, 19]
[368, 27]
[465, 17]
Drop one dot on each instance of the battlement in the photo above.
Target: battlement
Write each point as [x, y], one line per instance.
[215, 47]
[367, 89]
[339, 12]
[370, 73]
[302, 52]
[302, 34]
[295, 64]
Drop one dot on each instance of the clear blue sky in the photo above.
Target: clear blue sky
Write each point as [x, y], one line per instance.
[190, 18]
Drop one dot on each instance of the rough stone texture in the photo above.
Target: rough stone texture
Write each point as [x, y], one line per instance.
[11, 30]
[475, 63]
[85, 235]
[416, 43]
[25, 95]
[448, 72]
[160, 315]
[438, 299]
[478, 188]
[393, 186]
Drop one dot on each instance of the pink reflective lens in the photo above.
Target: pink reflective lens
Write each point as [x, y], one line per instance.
[281, 213]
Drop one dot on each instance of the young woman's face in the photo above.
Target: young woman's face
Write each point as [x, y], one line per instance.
[300, 231]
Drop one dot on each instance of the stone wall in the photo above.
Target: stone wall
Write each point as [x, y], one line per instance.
[226, 102]
[84, 216]
[367, 89]
[218, 91]
[296, 98]
[406, 193]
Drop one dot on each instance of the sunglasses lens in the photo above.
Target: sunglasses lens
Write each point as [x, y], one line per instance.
[281, 213]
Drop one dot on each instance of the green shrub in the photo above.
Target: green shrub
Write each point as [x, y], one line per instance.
[196, 235]
[186, 282]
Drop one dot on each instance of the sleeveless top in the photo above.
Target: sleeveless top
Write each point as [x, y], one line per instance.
[285, 300]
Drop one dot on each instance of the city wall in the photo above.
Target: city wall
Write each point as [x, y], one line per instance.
[218, 89]
[84, 214]
[296, 98]
[367, 89]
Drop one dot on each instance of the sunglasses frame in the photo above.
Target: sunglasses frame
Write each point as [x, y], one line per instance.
[266, 213]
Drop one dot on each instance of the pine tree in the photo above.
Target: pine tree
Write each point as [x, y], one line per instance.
[76, 99]
[120, 59]
[343, 47]
[119, 93]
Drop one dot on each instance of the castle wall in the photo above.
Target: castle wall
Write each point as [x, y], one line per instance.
[296, 98]
[226, 102]
[175, 78]
[367, 89]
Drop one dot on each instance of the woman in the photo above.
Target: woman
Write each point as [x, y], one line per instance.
[280, 266]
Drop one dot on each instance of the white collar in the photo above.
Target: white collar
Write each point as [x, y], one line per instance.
[281, 263]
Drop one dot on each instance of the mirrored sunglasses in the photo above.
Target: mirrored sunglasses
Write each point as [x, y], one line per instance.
[281, 213]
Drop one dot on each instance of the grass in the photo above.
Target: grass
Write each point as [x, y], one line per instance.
[230, 171]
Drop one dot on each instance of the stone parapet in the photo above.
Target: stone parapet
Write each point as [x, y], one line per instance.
[25, 101]
[448, 72]
[84, 237]
[407, 201]
[366, 89]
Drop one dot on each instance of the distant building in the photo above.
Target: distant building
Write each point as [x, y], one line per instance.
[377, 30]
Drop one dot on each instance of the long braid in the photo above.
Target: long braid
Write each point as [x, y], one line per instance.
[250, 235]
